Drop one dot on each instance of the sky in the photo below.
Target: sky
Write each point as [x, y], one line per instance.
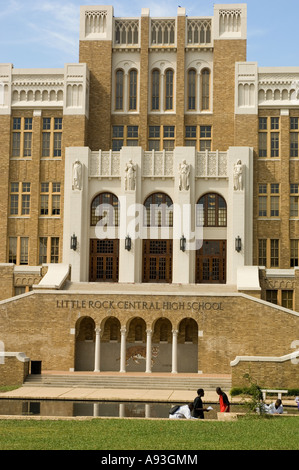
[45, 33]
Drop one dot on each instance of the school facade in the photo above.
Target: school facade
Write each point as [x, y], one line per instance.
[150, 201]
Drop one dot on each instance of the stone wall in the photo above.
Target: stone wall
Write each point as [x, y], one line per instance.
[267, 374]
[14, 368]
[44, 325]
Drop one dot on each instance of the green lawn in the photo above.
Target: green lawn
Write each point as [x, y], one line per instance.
[274, 433]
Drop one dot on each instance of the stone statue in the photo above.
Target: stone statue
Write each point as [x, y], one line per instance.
[184, 173]
[77, 175]
[238, 176]
[130, 179]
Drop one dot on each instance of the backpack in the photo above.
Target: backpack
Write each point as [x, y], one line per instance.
[174, 409]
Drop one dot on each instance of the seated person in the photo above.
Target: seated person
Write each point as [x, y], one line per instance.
[275, 408]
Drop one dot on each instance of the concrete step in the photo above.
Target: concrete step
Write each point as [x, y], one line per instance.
[129, 382]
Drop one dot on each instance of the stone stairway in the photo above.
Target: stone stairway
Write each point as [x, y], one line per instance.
[129, 382]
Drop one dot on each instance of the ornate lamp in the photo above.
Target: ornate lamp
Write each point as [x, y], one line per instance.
[182, 243]
[238, 244]
[74, 242]
[128, 243]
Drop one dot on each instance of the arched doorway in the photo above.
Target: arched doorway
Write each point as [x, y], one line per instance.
[110, 345]
[162, 346]
[85, 344]
[157, 253]
[104, 252]
[136, 345]
[188, 346]
[211, 257]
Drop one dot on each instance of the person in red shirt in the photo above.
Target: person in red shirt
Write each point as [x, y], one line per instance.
[223, 401]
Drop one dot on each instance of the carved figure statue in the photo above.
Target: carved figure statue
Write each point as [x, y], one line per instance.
[238, 176]
[184, 173]
[130, 179]
[77, 175]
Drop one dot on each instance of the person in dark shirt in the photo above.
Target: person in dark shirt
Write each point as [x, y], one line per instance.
[198, 410]
[223, 401]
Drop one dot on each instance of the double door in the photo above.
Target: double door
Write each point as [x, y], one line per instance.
[103, 260]
[157, 261]
[211, 262]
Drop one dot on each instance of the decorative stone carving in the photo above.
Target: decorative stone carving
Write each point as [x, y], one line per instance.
[130, 178]
[77, 175]
[184, 173]
[238, 176]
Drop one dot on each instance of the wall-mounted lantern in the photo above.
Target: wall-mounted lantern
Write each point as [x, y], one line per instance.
[128, 243]
[238, 244]
[74, 242]
[182, 243]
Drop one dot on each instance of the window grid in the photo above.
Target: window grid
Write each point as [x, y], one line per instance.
[294, 137]
[199, 137]
[124, 136]
[20, 199]
[50, 199]
[52, 137]
[21, 137]
[269, 137]
[269, 200]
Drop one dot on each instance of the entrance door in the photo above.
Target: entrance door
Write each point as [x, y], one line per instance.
[211, 262]
[103, 260]
[157, 261]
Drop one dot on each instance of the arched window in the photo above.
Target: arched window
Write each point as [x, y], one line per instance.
[158, 211]
[169, 90]
[155, 90]
[133, 90]
[119, 89]
[205, 89]
[191, 89]
[211, 211]
[104, 210]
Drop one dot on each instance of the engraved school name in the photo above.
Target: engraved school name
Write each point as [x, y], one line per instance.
[138, 305]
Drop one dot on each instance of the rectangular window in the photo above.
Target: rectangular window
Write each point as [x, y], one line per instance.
[269, 200]
[43, 246]
[22, 137]
[117, 138]
[50, 199]
[294, 136]
[199, 137]
[54, 250]
[132, 136]
[20, 199]
[274, 253]
[269, 137]
[294, 198]
[262, 255]
[271, 296]
[287, 299]
[48, 250]
[168, 137]
[154, 138]
[294, 253]
[52, 137]
[24, 251]
[12, 255]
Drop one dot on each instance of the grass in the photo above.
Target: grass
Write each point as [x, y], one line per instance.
[256, 433]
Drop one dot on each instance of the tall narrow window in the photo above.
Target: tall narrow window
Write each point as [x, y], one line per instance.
[22, 137]
[119, 91]
[169, 90]
[205, 90]
[52, 137]
[133, 90]
[191, 89]
[294, 136]
[155, 90]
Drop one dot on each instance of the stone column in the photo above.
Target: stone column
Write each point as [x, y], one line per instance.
[123, 349]
[148, 351]
[174, 369]
[97, 358]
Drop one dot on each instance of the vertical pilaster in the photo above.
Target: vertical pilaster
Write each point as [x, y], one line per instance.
[144, 77]
[180, 76]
